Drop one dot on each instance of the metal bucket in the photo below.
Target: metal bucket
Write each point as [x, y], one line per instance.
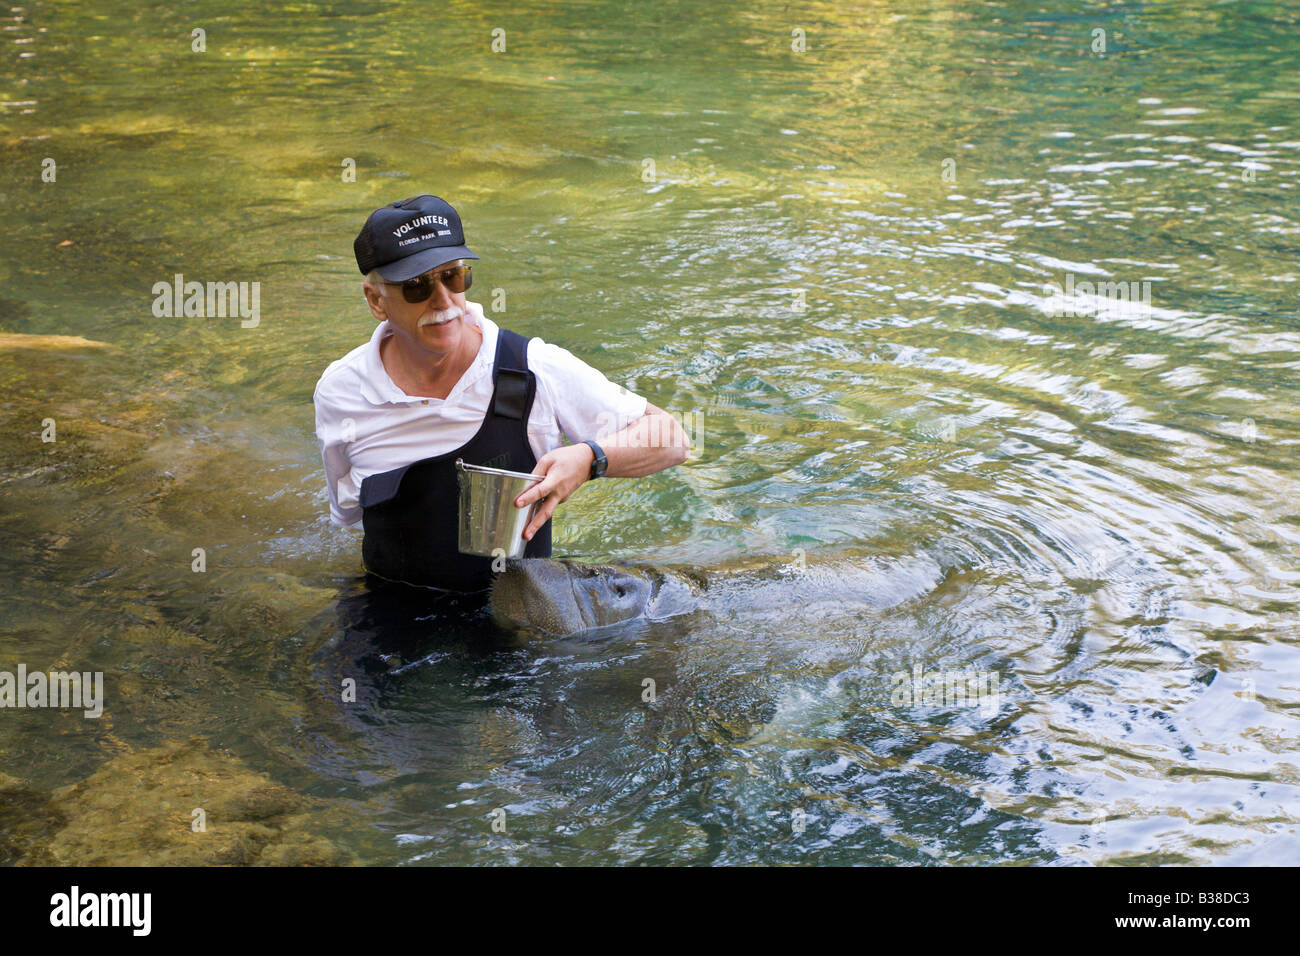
[489, 521]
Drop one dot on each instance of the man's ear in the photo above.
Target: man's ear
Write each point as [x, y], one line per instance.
[375, 300]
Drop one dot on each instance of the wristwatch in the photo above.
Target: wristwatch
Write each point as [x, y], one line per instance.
[600, 462]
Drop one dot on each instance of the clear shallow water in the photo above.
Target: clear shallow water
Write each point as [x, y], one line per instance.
[1099, 509]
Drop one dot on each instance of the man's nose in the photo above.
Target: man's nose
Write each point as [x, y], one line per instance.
[441, 296]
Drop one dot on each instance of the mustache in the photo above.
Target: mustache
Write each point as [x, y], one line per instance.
[445, 315]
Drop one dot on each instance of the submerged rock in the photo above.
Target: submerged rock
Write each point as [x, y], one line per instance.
[137, 810]
[21, 340]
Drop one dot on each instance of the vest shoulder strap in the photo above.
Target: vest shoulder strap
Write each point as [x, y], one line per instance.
[514, 385]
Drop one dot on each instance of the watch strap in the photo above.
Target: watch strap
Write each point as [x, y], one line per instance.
[599, 463]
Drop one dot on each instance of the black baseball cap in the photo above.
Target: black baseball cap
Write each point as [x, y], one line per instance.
[408, 238]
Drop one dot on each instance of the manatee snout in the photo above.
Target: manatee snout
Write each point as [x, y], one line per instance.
[564, 597]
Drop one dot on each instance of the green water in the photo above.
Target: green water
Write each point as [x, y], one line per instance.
[1103, 505]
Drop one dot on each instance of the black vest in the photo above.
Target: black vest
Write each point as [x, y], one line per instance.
[410, 513]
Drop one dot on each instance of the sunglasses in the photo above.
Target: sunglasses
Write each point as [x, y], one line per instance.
[417, 290]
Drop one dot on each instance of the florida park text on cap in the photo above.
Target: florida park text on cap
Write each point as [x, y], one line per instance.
[408, 238]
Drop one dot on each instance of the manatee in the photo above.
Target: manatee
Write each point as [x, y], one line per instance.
[562, 597]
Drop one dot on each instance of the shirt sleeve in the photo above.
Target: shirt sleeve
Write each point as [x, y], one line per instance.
[586, 403]
[345, 504]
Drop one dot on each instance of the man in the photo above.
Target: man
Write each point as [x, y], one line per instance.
[439, 381]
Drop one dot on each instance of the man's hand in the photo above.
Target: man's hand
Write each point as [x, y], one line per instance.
[565, 468]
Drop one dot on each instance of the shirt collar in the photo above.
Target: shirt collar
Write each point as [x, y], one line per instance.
[378, 388]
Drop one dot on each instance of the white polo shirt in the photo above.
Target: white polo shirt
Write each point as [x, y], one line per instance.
[366, 425]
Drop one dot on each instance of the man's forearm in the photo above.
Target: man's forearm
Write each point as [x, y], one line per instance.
[653, 442]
